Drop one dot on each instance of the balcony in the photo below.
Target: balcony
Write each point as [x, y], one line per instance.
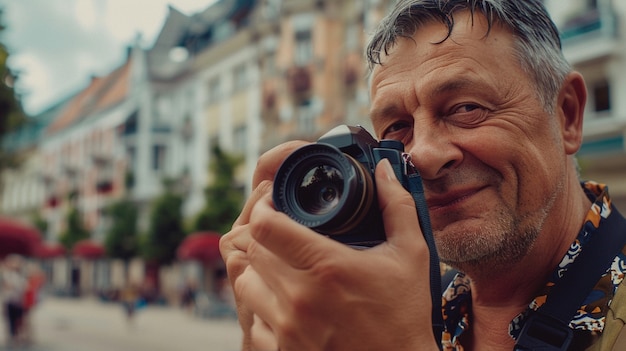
[50, 184]
[52, 201]
[104, 164]
[101, 159]
[104, 186]
[590, 35]
[49, 181]
[604, 145]
[608, 145]
[583, 24]
[130, 125]
[187, 129]
[269, 97]
[299, 80]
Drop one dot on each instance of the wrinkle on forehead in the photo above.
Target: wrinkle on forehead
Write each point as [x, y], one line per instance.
[468, 32]
[471, 26]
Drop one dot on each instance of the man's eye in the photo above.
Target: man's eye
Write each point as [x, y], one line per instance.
[466, 108]
[468, 114]
[395, 130]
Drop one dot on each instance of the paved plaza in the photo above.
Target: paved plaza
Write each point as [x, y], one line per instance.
[87, 324]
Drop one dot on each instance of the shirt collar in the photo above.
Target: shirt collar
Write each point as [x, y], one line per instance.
[457, 301]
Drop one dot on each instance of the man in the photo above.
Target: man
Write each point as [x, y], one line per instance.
[491, 113]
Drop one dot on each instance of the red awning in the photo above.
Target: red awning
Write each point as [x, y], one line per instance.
[49, 250]
[88, 249]
[200, 246]
[17, 237]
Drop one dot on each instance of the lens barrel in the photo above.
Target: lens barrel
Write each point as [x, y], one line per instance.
[324, 189]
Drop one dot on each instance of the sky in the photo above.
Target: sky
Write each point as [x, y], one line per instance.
[57, 45]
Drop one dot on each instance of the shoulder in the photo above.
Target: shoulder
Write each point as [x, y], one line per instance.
[614, 334]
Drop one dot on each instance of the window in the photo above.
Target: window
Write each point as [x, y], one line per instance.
[223, 30]
[271, 10]
[582, 17]
[240, 79]
[306, 117]
[304, 47]
[164, 109]
[602, 96]
[129, 127]
[131, 155]
[352, 37]
[213, 90]
[269, 64]
[303, 25]
[158, 157]
[240, 139]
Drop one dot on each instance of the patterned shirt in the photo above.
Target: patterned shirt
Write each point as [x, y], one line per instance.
[588, 322]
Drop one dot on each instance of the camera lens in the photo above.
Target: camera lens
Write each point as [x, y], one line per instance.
[320, 190]
[324, 189]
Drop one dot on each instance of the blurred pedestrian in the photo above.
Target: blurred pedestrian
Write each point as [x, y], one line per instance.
[35, 279]
[188, 296]
[13, 285]
[129, 297]
[224, 289]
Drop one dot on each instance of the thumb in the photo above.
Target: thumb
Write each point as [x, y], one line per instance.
[398, 209]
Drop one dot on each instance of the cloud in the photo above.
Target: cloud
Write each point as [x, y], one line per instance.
[57, 45]
[54, 45]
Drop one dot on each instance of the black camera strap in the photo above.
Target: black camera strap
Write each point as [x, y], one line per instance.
[547, 328]
[416, 189]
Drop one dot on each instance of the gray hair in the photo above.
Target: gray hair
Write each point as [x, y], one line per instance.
[538, 46]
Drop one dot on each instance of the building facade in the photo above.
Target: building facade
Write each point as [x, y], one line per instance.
[82, 165]
[593, 34]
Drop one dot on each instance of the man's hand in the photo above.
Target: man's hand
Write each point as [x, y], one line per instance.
[313, 293]
[234, 245]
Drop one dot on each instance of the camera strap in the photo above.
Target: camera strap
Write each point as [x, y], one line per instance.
[416, 188]
[547, 328]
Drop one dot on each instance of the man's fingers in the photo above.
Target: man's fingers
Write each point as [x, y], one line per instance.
[297, 245]
[270, 161]
[399, 213]
[256, 295]
[233, 247]
[263, 339]
[259, 190]
[263, 179]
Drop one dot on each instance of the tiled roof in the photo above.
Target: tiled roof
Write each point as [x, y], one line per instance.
[102, 93]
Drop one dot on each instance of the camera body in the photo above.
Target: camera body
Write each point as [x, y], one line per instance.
[329, 186]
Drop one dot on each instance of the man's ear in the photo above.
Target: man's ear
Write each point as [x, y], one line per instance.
[570, 111]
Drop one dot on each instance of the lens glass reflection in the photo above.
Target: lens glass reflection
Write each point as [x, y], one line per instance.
[320, 190]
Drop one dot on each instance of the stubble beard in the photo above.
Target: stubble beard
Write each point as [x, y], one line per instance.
[496, 246]
[500, 241]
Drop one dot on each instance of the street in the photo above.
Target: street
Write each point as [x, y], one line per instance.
[87, 324]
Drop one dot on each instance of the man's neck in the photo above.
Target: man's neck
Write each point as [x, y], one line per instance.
[489, 328]
[498, 297]
[519, 281]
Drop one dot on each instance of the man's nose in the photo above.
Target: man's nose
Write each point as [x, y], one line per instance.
[434, 152]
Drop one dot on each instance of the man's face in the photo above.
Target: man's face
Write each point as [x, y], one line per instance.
[492, 159]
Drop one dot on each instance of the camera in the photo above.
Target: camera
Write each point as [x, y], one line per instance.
[329, 185]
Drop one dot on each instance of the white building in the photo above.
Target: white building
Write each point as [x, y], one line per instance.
[206, 88]
[593, 33]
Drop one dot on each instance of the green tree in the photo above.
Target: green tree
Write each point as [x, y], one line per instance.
[122, 240]
[75, 231]
[11, 113]
[40, 223]
[223, 198]
[165, 232]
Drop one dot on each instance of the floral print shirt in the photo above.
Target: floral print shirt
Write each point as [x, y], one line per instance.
[588, 322]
